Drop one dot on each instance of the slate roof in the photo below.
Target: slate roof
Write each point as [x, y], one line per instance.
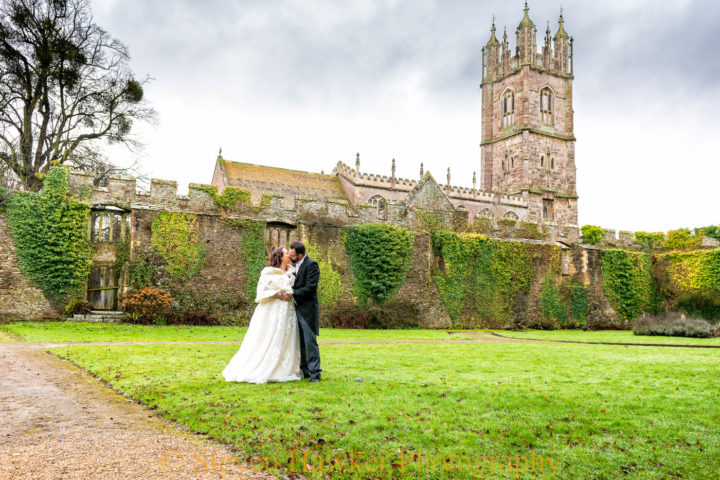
[259, 179]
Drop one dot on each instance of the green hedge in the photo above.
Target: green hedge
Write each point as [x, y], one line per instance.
[380, 256]
[49, 230]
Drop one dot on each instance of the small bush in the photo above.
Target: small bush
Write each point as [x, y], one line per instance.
[681, 239]
[592, 234]
[674, 324]
[3, 199]
[650, 240]
[78, 306]
[147, 305]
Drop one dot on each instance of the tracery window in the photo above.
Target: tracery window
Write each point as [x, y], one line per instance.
[508, 108]
[378, 202]
[546, 106]
[109, 226]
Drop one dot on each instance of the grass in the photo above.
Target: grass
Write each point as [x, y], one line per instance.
[621, 336]
[112, 332]
[600, 412]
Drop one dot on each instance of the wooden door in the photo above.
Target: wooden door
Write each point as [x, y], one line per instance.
[103, 287]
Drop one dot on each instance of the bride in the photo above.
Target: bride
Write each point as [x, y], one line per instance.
[270, 351]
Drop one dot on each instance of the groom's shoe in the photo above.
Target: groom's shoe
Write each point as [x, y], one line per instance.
[314, 379]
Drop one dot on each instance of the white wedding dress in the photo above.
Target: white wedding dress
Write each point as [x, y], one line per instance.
[270, 351]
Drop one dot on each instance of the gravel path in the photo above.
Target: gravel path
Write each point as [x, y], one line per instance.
[57, 422]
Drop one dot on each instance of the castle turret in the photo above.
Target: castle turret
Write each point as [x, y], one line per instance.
[562, 47]
[526, 44]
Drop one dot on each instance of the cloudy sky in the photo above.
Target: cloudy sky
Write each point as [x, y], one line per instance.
[304, 83]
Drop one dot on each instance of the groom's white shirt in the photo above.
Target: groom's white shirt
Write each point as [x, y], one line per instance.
[297, 265]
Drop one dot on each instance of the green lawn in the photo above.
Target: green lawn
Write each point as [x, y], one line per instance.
[112, 332]
[620, 336]
[595, 412]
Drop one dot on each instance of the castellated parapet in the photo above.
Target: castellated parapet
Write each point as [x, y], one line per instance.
[121, 192]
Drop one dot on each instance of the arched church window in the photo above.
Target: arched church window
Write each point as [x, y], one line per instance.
[508, 108]
[546, 106]
[542, 161]
[510, 214]
[486, 212]
[378, 202]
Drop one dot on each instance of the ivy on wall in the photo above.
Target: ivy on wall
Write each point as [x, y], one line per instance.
[691, 280]
[481, 278]
[49, 230]
[176, 238]
[380, 256]
[252, 245]
[628, 282]
[552, 306]
[330, 288]
[230, 197]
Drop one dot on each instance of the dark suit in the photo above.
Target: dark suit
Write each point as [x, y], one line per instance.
[307, 308]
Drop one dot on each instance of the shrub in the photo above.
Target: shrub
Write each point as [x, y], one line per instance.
[681, 239]
[592, 234]
[531, 231]
[380, 256]
[3, 199]
[330, 288]
[650, 240]
[78, 306]
[147, 304]
[674, 324]
[712, 231]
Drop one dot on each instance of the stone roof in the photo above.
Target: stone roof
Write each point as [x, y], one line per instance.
[260, 179]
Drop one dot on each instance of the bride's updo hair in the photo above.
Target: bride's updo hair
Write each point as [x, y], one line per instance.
[276, 257]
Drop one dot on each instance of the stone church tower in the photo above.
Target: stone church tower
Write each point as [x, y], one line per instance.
[528, 143]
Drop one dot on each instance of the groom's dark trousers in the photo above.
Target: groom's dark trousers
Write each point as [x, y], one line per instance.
[307, 309]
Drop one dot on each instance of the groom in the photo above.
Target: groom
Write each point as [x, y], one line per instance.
[307, 276]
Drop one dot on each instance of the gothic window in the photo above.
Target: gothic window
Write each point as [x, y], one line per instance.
[542, 161]
[511, 214]
[548, 213]
[485, 212]
[109, 226]
[378, 202]
[508, 109]
[546, 106]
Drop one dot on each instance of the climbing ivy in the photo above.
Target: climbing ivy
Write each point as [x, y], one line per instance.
[230, 197]
[481, 278]
[552, 306]
[692, 280]
[682, 239]
[628, 282]
[176, 238]
[252, 246]
[49, 230]
[380, 256]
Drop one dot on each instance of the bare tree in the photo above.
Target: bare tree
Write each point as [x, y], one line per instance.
[65, 85]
